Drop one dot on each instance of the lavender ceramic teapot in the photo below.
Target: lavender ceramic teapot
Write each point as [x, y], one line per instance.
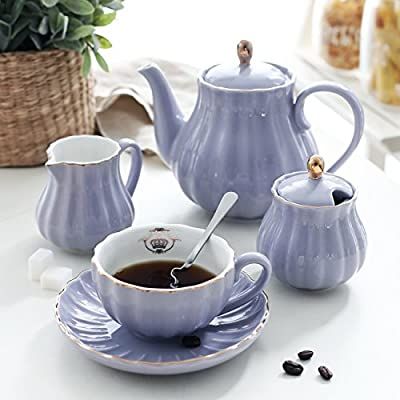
[312, 232]
[246, 129]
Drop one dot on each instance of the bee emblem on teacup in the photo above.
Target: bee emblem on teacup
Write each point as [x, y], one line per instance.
[159, 240]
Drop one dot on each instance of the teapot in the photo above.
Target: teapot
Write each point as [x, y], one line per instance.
[85, 198]
[246, 129]
[312, 232]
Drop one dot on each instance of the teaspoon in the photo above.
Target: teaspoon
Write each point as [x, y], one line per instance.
[227, 202]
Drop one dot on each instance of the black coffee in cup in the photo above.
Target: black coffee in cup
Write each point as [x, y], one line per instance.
[156, 274]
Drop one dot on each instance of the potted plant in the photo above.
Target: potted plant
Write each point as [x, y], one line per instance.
[46, 91]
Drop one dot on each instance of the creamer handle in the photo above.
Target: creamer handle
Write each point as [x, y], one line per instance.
[136, 163]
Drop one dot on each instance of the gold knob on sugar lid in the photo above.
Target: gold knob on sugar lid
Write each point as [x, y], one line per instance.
[244, 51]
[315, 166]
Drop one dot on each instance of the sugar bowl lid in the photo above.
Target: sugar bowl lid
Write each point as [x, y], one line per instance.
[315, 188]
[246, 75]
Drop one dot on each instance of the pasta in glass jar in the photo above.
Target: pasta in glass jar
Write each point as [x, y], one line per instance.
[380, 50]
[336, 32]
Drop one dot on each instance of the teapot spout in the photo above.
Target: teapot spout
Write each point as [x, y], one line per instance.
[168, 118]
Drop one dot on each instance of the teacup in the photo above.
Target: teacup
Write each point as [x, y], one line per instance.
[171, 312]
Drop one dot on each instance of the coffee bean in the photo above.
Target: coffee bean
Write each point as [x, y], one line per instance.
[305, 354]
[325, 373]
[292, 368]
[191, 341]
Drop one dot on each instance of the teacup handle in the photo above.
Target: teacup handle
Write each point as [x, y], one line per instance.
[256, 288]
[136, 163]
[350, 98]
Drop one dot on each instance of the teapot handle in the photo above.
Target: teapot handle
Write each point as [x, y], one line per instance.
[350, 98]
[136, 163]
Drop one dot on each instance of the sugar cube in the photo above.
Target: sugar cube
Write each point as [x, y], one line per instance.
[38, 262]
[55, 278]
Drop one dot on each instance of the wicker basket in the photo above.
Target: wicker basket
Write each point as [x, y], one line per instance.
[43, 97]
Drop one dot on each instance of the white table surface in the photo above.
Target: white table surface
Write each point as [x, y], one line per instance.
[354, 330]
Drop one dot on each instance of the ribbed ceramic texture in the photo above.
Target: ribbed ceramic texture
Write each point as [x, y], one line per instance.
[163, 313]
[239, 140]
[254, 75]
[82, 204]
[235, 141]
[313, 247]
[83, 320]
[43, 97]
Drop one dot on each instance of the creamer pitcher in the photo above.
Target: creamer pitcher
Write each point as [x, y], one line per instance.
[85, 198]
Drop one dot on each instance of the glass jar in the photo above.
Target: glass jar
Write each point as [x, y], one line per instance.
[380, 50]
[336, 32]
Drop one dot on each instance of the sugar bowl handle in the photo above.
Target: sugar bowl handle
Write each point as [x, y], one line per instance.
[350, 98]
[136, 163]
[256, 287]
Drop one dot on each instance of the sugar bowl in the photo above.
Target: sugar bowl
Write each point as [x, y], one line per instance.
[312, 232]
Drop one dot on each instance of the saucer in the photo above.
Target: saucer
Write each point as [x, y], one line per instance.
[82, 318]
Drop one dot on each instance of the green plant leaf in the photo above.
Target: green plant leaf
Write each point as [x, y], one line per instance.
[97, 12]
[36, 40]
[87, 62]
[34, 24]
[81, 32]
[18, 39]
[79, 7]
[33, 7]
[20, 26]
[74, 23]
[69, 45]
[6, 18]
[16, 9]
[65, 26]
[104, 43]
[43, 28]
[104, 19]
[5, 35]
[56, 20]
[101, 61]
[49, 3]
[114, 5]
[94, 43]
[87, 19]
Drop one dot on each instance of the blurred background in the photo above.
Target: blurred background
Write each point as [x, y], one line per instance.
[203, 33]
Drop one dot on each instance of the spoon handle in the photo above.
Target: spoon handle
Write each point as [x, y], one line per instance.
[227, 202]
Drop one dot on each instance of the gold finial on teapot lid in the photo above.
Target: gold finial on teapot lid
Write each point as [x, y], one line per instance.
[244, 51]
[315, 166]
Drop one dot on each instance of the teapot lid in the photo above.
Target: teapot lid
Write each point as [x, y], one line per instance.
[246, 75]
[315, 188]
